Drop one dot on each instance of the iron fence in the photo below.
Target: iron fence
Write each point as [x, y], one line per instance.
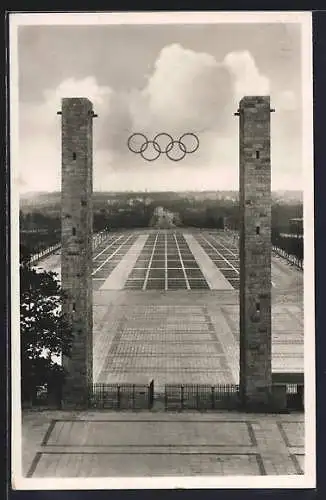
[121, 396]
[292, 259]
[98, 238]
[175, 397]
[44, 253]
[201, 396]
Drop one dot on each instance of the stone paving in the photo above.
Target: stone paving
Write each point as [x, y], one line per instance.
[287, 334]
[106, 257]
[225, 259]
[140, 336]
[173, 336]
[181, 335]
[169, 343]
[179, 260]
[166, 262]
[119, 275]
[213, 275]
[109, 255]
[88, 444]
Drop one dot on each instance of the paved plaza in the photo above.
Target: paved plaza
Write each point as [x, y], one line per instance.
[94, 444]
[166, 307]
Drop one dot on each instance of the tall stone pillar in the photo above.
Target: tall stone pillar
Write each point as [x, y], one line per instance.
[76, 253]
[255, 253]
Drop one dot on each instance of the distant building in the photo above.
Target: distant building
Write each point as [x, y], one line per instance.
[163, 218]
[134, 201]
[148, 200]
[159, 211]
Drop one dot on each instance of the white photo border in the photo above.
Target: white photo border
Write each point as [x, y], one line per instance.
[308, 479]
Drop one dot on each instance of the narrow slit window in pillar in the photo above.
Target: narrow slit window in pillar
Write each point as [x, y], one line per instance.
[257, 229]
[74, 231]
[74, 156]
[257, 155]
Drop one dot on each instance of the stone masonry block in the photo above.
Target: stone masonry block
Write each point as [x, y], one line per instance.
[255, 251]
[77, 132]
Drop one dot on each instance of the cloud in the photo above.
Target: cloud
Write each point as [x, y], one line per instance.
[247, 79]
[186, 91]
[87, 87]
[42, 117]
[40, 134]
[286, 101]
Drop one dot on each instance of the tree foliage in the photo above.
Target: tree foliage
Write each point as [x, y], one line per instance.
[45, 331]
[39, 231]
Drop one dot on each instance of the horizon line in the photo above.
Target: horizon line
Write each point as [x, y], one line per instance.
[146, 191]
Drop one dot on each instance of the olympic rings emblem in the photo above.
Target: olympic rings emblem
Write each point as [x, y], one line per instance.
[163, 143]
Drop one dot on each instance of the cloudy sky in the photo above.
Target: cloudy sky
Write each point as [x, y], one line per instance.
[158, 78]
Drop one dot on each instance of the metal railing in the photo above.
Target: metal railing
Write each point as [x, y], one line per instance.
[44, 253]
[201, 396]
[121, 396]
[98, 238]
[292, 259]
[173, 397]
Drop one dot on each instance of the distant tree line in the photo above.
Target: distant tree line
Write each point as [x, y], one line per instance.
[282, 214]
[217, 213]
[203, 219]
[38, 221]
[36, 242]
[122, 218]
[41, 230]
[38, 231]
